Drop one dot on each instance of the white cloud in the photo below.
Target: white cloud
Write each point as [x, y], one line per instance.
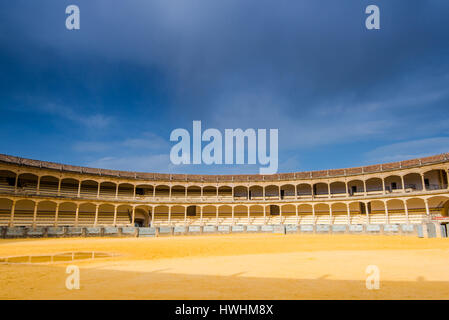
[408, 150]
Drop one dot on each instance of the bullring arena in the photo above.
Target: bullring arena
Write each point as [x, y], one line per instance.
[306, 235]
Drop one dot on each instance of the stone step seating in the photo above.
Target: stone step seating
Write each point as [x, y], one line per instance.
[290, 219]
[88, 192]
[125, 194]
[323, 219]
[105, 218]
[48, 189]
[86, 219]
[377, 219]
[66, 218]
[44, 218]
[23, 218]
[340, 219]
[305, 219]
[69, 190]
[4, 186]
[5, 216]
[417, 218]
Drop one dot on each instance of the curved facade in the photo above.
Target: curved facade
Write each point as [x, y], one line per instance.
[37, 193]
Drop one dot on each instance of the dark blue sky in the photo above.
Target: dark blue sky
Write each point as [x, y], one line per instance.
[108, 95]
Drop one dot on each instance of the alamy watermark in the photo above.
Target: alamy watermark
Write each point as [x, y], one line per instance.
[212, 153]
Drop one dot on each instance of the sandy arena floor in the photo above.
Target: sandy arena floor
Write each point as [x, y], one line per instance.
[258, 266]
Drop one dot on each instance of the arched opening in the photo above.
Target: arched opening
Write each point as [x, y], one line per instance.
[89, 189]
[161, 215]
[339, 213]
[193, 192]
[105, 215]
[210, 192]
[27, 182]
[287, 191]
[438, 206]
[240, 193]
[7, 180]
[393, 183]
[192, 215]
[126, 191]
[322, 213]
[374, 186]
[178, 215]
[24, 211]
[435, 179]
[255, 193]
[356, 187]
[142, 216]
[46, 213]
[210, 214]
[124, 215]
[5, 211]
[272, 192]
[256, 215]
[305, 213]
[304, 190]
[320, 189]
[338, 188]
[376, 211]
[67, 214]
[144, 191]
[49, 185]
[396, 211]
[416, 210]
[413, 182]
[225, 193]
[357, 212]
[86, 215]
[288, 214]
[240, 214]
[178, 192]
[69, 187]
[108, 190]
[162, 191]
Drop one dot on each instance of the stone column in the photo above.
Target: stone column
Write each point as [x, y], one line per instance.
[76, 214]
[56, 215]
[13, 209]
[133, 216]
[79, 189]
[38, 191]
[35, 214]
[313, 214]
[264, 214]
[297, 216]
[169, 215]
[115, 216]
[406, 210]
[349, 213]
[59, 186]
[423, 182]
[96, 215]
[152, 215]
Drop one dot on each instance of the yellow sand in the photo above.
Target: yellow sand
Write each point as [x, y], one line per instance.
[257, 266]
